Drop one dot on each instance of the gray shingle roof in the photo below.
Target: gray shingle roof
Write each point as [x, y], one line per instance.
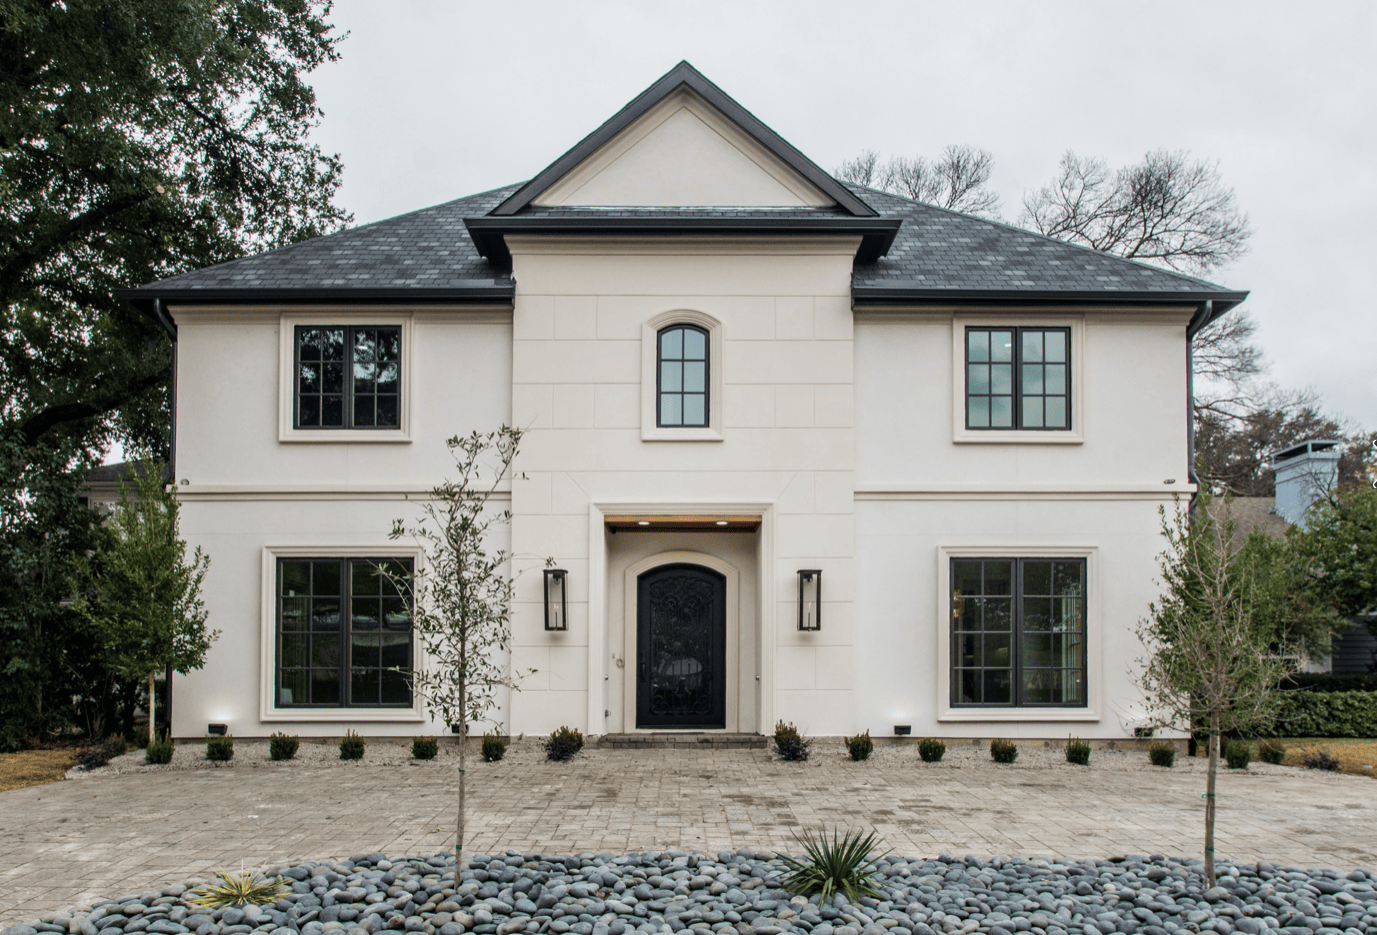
[935, 249]
[941, 249]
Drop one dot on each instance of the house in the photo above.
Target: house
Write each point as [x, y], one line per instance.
[806, 451]
[1305, 472]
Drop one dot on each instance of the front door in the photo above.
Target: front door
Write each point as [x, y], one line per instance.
[681, 648]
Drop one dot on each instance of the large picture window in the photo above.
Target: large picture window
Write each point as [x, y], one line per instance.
[682, 377]
[347, 377]
[1018, 632]
[343, 633]
[1018, 378]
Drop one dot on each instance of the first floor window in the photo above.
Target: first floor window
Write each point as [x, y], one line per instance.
[1018, 378]
[348, 377]
[343, 633]
[1018, 632]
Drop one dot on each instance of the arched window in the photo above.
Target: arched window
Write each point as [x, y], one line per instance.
[682, 377]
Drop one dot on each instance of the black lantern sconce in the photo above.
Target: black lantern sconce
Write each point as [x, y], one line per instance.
[556, 602]
[810, 599]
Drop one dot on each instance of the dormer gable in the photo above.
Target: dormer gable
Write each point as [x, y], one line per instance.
[683, 143]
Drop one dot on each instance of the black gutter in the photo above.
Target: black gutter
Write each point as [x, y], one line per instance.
[462, 292]
[880, 298]
[1203, 316]
[489, 233]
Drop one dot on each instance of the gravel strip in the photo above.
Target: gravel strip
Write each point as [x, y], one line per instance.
[737, 894]
[960, 755]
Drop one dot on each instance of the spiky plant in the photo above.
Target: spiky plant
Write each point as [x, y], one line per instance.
[829, 867]
[247, 887]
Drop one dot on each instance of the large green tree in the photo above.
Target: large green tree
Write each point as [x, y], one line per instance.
[137, 140]
[1339, 544]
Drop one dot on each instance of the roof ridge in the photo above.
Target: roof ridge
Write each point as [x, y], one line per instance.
[1197, 280]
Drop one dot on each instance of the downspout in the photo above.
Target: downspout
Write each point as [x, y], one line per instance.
[1201, 319]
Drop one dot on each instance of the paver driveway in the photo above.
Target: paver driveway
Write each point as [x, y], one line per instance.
[70, 842]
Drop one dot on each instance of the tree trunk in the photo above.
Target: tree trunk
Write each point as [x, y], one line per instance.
[463, 749]
[1210, 797]
[152, 704]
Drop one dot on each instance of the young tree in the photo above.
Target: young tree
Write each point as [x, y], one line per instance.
[1207, 659]
[460, 594]
[145, 590]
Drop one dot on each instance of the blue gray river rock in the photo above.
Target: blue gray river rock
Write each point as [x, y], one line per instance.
[738, 892]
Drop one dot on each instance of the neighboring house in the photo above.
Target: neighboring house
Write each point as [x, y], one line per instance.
[1304, 473]
[102, 487]
[807, 451]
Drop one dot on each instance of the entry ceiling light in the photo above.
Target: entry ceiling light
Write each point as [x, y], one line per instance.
[658, 522]
[556, 601]
[810, 599]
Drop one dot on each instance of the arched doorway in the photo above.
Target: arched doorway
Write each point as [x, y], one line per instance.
[681, 648]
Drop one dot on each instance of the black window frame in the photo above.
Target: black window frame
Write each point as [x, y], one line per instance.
[1016, 365]
[347, 390]
[344, 667]
[660, 391]
[1017, 634]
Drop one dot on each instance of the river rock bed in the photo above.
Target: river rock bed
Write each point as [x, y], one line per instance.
[738, 892]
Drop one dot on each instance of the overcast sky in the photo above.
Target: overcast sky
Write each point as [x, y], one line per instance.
[433, 100]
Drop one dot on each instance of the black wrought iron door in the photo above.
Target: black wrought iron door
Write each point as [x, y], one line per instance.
[681, 648]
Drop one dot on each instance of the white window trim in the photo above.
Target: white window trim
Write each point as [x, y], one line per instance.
[268, 710]
[286, 384]
[650, 404]
[962, 435]
[1094, 662]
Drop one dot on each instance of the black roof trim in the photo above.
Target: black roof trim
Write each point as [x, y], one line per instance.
[472, 292]
[877, 234]
[681, 75]
[898, 294]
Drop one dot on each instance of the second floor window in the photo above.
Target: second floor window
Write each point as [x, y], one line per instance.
[682, 374]
[348, 377]
[1018, 378]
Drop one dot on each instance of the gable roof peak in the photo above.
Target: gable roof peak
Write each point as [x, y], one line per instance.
[685, 76]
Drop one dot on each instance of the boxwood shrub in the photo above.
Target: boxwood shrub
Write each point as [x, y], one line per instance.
[1327, 714]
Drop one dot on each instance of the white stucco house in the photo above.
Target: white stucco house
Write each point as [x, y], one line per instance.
[806, 451]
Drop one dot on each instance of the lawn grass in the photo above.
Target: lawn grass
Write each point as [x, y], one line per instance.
[34, 767]
[1357, 757]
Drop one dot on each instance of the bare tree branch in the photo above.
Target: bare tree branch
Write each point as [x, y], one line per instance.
[956, 180]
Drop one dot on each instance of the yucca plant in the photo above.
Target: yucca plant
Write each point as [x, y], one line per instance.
[247, 887]
[831, 866]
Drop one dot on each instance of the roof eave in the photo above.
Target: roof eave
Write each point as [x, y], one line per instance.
[489, 233]
[883, 297]
[685, 75]
[471, 292]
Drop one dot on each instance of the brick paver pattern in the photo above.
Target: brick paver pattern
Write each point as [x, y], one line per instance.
[67, 843]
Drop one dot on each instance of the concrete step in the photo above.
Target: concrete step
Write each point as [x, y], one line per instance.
[716, 740]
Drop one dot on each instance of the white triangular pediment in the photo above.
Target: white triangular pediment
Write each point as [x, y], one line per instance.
[683, 152]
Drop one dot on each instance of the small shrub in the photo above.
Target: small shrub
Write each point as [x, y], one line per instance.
[246, 888]
[1271, 751]
[282, 747]
[351, 747]
[829, 867]
[563, 744]
[1003, 751]
[1238, 754]
[494, 748]
[424, 748]
[790, 744]
[1162, 754]
[1321, 759]
[220, 749]
[1077, 751]
[159, 752]
[931, 750]
[117, 744]
[95, 756]
[860, 747]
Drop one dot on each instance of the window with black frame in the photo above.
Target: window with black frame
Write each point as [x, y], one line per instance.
[348, 377]
[1018, 632]
[1018, 378]
[682, 377]
[343, 633]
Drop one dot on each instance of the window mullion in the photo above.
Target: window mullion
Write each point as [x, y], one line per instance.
[1017, 382]
[348, 385]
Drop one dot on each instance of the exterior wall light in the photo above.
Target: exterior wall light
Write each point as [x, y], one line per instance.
[810, 599]
[903, 730]
[218, 730]
[556, 603]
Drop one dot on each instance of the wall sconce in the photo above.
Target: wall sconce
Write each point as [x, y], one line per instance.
[556, 604]
[810, 599]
